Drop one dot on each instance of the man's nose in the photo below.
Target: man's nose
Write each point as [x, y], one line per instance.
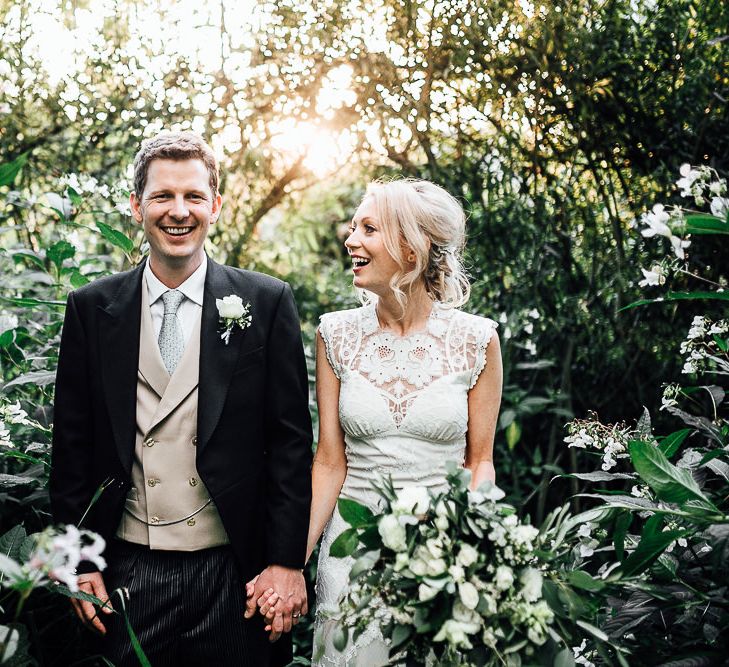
[179, 210]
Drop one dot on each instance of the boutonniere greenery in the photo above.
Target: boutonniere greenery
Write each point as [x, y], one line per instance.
[233, 314]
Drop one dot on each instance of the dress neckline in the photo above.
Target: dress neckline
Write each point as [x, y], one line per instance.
[371, 323]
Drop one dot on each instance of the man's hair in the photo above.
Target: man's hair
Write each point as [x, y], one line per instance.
[174, 146]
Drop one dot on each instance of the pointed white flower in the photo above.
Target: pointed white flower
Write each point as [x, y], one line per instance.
[654, 276]
[688, 177]
[720, 207]
[657, 221]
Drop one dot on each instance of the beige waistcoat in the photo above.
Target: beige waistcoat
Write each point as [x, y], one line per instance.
[163, 508]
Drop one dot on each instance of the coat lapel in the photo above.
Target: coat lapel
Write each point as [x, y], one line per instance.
[217, 360]
[119, 324]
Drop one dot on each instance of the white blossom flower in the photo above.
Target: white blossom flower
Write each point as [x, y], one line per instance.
[468, 594]
[531, 581]
[426, 592]
[411, 500]
[392, 532]
[679, 245]
[657, 221]
[402, 560]
[719, 207]
[503, 577]
[457, 573]
[467, 555]
[654, 276]
[688, 177]
[5, 436]
[456, 633]
[418, 567]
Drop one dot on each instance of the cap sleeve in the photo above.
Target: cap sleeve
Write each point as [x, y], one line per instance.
[327, 330]
[483, 333]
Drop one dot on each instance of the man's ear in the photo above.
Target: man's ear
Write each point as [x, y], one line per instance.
[217, 205]
[136, 206]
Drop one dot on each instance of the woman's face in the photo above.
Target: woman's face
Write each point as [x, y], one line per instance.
[372, 264]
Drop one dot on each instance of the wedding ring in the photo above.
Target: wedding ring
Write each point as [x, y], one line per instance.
[296, 614]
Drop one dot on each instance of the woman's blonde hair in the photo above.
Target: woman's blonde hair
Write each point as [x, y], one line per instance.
[421, 217]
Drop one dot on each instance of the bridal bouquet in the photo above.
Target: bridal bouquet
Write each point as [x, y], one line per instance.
[451, 579]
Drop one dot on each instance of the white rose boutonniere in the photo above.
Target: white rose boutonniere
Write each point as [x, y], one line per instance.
[233, 313]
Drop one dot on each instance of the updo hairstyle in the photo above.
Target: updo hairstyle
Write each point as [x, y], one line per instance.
[420, 216]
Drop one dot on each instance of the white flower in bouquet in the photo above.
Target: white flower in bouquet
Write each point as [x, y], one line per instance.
[457, 573]
[392, 532]
[427, 592]
[531, 581]
[467, 555]
[525, 534]
[456, 633]
[418, 566]
[436, 567]
[434, 547]
[468, 594]
[504, 577]
[402, 560]
[441, 523]
[411, 500]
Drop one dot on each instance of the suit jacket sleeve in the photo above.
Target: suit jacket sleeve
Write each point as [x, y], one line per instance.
[288, 439]
[71, 483]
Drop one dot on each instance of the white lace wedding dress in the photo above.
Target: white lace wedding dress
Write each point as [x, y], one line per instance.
[403, 406]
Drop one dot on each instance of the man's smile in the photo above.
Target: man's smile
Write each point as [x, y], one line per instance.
[177, 231]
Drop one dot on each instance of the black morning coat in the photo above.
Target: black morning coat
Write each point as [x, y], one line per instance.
[254, 430]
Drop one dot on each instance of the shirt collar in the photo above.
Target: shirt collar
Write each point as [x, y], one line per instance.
[193, 288]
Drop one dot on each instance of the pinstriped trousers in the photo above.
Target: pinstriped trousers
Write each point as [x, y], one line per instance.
[186, 608]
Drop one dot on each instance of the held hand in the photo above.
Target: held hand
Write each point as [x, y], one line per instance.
[282, 612]
[265, 602]
[93, 584]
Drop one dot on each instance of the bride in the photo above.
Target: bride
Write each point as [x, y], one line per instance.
[404, 384]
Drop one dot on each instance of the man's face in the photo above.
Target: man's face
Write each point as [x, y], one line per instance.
[176, 209]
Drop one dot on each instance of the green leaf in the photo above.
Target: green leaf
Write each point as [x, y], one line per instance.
[143, 660]
[513, 434]
[680, 296]
[622, 523]
[31, 303]
[341, 637]
[649, 548]
[564, 658]
[60, 251]
[400, 635]
[345, 544]
[38, 378]
[12, 540]
[364, 564]
[7, 338]
[670, 444]
[30, 257]
[599, 476]
[78, 279]
[75, 197]
[670, 484]
[595, 632]
[703, 223]
[354, 513]
[581, 579]
[10, 170]
[115, 237]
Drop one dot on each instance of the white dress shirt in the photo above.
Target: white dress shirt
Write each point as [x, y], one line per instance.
[190, 307]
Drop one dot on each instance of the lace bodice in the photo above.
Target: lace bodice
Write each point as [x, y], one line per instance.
[403, 406]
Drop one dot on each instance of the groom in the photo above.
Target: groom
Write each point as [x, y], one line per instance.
[200, 445]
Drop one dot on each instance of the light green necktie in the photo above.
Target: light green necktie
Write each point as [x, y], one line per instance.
[171, 341]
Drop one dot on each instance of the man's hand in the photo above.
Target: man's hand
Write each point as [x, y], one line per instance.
[280, 593]
[93, 584]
